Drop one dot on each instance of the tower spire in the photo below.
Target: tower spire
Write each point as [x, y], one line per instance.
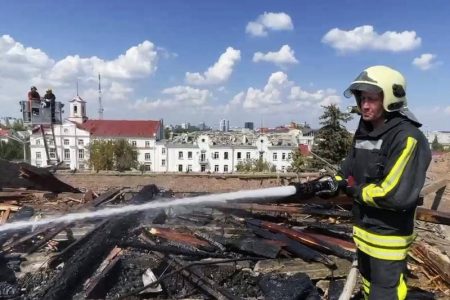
[100, 105]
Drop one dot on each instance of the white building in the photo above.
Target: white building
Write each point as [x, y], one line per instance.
[215, 152]
[443, 138]
[73, 136]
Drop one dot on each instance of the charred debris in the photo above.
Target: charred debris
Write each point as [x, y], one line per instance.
[293, 249]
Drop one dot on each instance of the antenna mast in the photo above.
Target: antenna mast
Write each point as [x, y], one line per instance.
[100, 106]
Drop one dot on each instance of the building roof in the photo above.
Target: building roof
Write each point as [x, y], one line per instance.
[4, 133]
[121, 128]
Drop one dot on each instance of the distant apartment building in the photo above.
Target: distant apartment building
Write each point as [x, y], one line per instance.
[443, 138]
[224, 125]
[249, 125]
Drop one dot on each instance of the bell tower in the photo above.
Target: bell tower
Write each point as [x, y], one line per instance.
[77, 110]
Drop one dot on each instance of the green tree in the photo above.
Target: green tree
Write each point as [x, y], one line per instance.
[101, 155]
[299, 162]
[435, 145]
[18, 125]
[11, 150]
[255, 166]
[125, 155]
[332, 141]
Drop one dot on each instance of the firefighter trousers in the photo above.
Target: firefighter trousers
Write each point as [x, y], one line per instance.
[382, 279]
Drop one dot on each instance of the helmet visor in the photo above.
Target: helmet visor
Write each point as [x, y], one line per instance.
[361, 87]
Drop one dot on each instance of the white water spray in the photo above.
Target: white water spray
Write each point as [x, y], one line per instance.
[271, 193]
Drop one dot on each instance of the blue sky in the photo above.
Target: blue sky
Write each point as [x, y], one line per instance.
[270, 62]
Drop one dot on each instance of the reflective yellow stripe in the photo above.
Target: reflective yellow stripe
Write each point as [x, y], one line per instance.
[382, 246]
[338, 178]
[387, 254]
[402, 289]
[384, 240]
[372, 190]
[366, 285]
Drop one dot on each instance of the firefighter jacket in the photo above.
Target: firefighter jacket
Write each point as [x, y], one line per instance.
[388, 166]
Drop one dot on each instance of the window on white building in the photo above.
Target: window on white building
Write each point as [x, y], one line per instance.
[283, 156]
[81, 153]
[180, 154]
[180, 168]
[239, 155]
[225, 155]
[147, 156]
[133, 143]
[189, 168]
[203, 157]
[225, 168]
[202, 168]
[290, 155]
[216, 168]
[248, 155]
[52, 153]
[50, 142]
[66, 142]
[81, 142]
[275, 156]
[38, 141]
[163, 150]
[147, 167]
[147, 144]
[66, 130]
[38, 155]
[66, 154]
[216, 155]
[38, 164]
[163, 163]
[189, 154]
[81, 167]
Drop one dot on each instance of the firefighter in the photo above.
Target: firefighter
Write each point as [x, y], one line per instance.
[33, 96]
[50, 99]
[384, 173]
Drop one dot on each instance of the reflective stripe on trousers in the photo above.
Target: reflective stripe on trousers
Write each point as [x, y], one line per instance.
[386, 247]
[402, 289]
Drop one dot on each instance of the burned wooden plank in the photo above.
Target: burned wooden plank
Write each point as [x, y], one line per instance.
[84, 261]
[294, 247]
[256, 246]
[432, 216]
[45, 180]
[172, 248]
[349, 246]
[5, 216]
[177, 236]
[55, 260]
[315, 270]
[304, 238]
[96, 286]
[285, 209]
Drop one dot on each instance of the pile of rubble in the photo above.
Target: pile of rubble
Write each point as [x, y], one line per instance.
[293, 249]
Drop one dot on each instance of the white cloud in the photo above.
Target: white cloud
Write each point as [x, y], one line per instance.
[137, 62]
[365, 38]
[269, 21]
[219, 72]
[285, 56]
[177, 96]
[425, 62]
[280, 95]
[20, 62]
[447, 110]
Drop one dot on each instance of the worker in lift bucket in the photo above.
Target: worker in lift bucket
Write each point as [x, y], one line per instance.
[33, 96]
[384, 173]
[49, 100]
